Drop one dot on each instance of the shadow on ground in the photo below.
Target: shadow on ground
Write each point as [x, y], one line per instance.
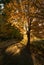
[8, 59]
[36, 57]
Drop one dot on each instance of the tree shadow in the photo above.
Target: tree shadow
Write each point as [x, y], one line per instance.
[24, 58]
[37, 50]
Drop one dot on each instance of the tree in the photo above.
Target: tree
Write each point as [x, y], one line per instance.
[26, 12]
[37, 15]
